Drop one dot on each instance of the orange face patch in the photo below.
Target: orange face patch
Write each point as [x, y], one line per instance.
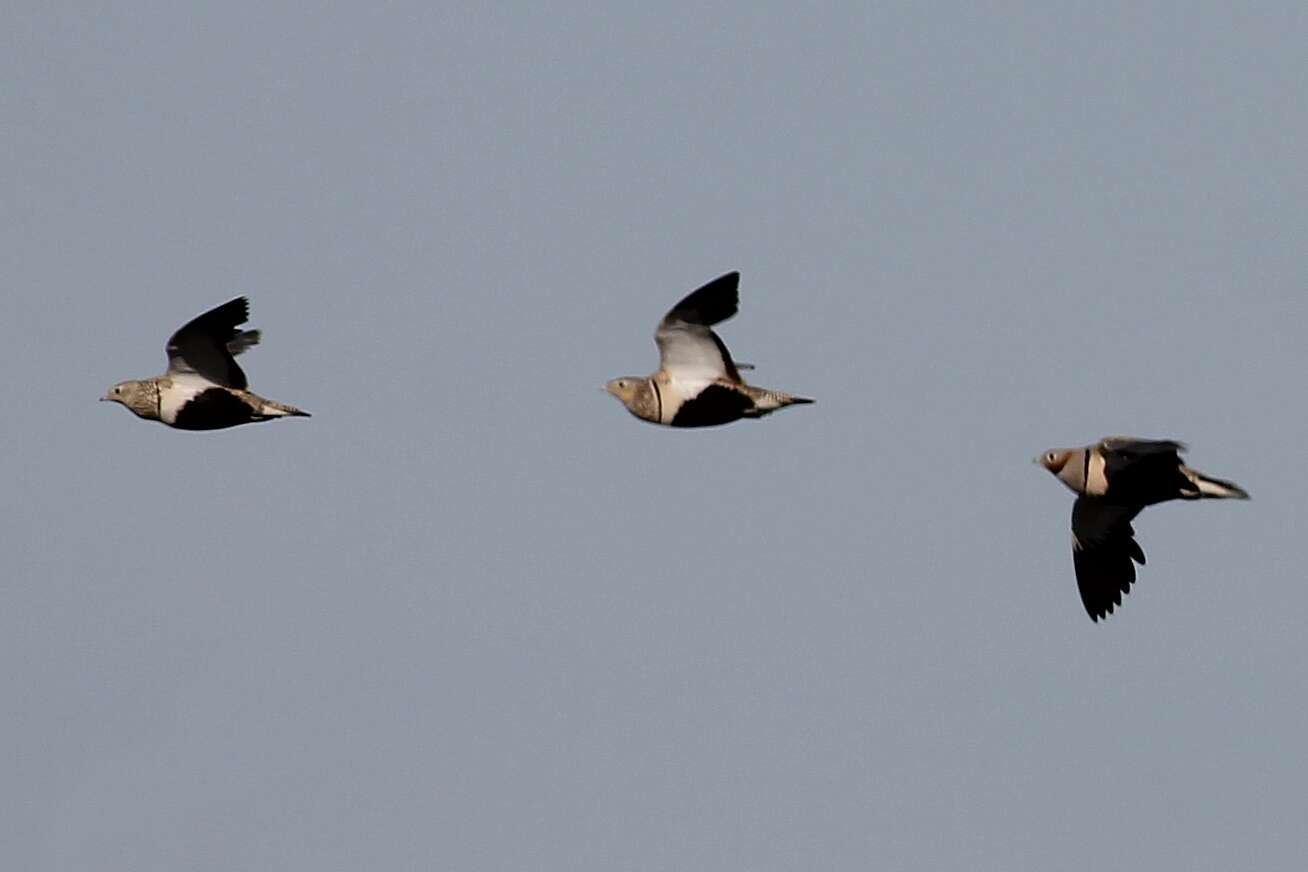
[1054, 461]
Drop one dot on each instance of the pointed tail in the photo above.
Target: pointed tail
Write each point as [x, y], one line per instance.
[766, 401]
[1213, 488]
[274, 409]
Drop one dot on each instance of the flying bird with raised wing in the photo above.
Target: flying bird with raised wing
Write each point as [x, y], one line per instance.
[1114, 480]
[204, 388]
[697, 383]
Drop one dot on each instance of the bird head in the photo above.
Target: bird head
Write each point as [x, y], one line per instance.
[624, 388]
[638, 395]
[139, 396]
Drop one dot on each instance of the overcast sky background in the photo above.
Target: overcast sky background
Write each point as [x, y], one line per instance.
[472, 615]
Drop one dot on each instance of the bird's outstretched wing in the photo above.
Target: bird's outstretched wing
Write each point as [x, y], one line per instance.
[1104, 553]
[207, 344]
[689, 351]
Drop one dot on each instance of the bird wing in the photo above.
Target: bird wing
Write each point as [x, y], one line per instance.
[1122, 451]
[207, 344]
[689, 351]
[1103, 551]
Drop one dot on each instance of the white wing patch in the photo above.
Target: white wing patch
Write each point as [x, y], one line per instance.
[689, 357]
[185, 386]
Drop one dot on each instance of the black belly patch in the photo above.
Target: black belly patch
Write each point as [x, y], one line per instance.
[214, 409]
[714, 405]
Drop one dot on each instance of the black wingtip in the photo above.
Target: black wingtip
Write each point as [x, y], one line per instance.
[710, 303]
[230, 314]
[1105, 574]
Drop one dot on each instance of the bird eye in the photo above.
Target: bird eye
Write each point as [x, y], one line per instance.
[1050, 457]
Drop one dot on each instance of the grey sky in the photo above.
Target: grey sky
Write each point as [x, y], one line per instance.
[472, 615]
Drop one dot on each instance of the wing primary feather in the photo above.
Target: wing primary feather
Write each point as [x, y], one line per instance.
[709, 304]
[203, 344]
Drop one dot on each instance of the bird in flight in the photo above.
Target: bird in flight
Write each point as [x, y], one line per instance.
[697, 383]
[204, 388]
[1114, 480]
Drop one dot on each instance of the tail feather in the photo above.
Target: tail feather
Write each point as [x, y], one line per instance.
[273, 409]
[1213, 488]
[766, 401]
